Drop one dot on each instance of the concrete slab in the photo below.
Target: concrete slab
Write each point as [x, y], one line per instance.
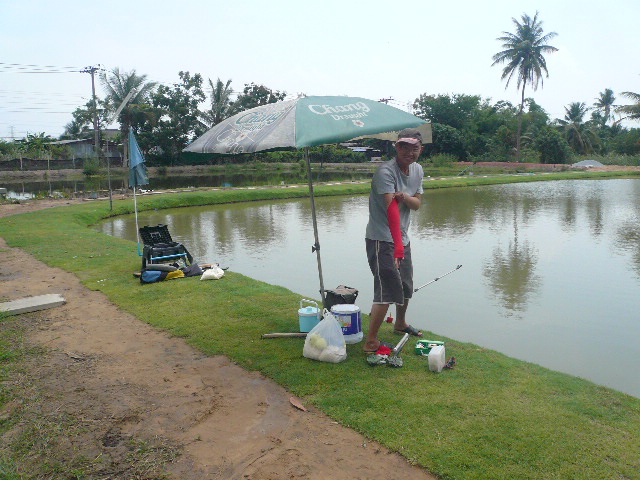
[32, 304]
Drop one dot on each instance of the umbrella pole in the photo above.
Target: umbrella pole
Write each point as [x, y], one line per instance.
[316, 247]
[135, 208]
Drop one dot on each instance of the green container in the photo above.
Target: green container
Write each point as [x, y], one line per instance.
[423, 347]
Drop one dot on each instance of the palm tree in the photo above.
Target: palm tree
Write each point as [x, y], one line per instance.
[75, 130]
[118, 85]
[524, 55]
[604, 104]
[221, 104]
[632, 112]
[578, 133]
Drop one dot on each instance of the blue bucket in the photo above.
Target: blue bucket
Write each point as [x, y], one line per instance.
[309, 316]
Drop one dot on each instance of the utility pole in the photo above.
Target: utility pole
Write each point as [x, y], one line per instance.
[96, 132]
[387, 148]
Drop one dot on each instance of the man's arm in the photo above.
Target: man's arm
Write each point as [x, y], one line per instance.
[393, 217]
[412, 202]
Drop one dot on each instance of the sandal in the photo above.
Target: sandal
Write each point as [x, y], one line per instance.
[382, 344]
[410, 330]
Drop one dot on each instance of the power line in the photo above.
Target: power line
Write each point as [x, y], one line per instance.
[40, 66]
[30, 110]
[20, 68]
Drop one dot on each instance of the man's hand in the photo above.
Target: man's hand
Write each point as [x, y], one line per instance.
[412, 203]
[399, 196]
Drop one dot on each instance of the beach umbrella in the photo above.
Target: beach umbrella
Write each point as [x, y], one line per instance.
[137, 176]
[302, 123]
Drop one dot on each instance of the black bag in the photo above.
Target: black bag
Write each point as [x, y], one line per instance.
[339, 296]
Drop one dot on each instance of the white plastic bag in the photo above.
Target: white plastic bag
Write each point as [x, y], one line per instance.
[325, 341]
[213, 273]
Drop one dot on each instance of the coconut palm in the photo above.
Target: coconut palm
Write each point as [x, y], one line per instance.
[631, 112]
[579, 134]
[75, 130]
[604, 104]
[524, 57]
[221, 104]
[118, 85]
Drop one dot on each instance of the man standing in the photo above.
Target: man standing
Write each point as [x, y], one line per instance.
[396, 189]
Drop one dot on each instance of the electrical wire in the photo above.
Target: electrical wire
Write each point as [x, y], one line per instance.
[20, 68]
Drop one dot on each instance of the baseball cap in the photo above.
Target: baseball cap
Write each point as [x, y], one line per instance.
[410, 135]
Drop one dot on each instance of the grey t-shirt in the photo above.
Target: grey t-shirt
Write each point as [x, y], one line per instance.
[390, 179]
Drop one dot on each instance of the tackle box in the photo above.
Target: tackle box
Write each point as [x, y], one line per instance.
[423, 347]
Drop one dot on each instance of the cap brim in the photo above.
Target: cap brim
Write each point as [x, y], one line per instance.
[412, 141]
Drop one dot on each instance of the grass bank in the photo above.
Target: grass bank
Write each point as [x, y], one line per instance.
[493, 417]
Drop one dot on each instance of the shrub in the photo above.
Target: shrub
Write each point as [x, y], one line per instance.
[443, 159]
[446, 139]
[91, 167]
[552, 146]
[627, 142]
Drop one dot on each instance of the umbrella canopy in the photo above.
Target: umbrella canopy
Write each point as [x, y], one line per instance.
[302, 123]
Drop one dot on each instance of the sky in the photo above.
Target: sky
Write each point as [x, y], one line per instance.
[372, 49]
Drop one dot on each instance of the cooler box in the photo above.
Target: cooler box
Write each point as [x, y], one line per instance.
[423, 347]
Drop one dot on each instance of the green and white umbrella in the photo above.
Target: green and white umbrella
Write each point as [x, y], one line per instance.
[302, 123]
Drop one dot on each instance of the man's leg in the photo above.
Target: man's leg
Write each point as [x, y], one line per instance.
[387, 287]
[401, 311]
[378, 312]
[406, 272]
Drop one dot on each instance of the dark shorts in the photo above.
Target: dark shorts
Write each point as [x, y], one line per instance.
[390, 285]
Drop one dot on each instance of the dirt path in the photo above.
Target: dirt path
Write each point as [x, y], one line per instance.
[125, 383]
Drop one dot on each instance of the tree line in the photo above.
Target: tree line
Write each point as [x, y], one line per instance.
[465, 127]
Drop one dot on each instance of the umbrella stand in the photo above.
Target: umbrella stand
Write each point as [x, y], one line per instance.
[135, 208]
[316, 246]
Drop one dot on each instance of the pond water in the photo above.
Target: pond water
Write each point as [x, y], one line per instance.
[24, 190]
[550, 273]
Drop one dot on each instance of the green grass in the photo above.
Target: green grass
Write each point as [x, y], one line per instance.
[492, 417]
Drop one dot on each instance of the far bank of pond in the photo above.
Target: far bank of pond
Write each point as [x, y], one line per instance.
[28, 184]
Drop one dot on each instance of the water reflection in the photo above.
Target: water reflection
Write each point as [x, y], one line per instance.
[551, 270]
[511, 275]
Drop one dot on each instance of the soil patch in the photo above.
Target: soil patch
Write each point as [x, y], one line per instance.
[129, 401]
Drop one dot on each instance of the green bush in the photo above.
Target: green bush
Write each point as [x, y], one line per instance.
[443, 159]
[91, 167]
[627, 142]
[552, 146]
[448, 140]
[528, 155]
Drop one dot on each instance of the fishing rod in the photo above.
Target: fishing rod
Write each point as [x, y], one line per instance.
[437, 278]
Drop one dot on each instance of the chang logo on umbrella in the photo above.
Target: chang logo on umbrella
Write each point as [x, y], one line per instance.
[341, 112]
[258, 120]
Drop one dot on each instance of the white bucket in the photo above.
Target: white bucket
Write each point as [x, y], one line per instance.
[437, 358]
[349, 318]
